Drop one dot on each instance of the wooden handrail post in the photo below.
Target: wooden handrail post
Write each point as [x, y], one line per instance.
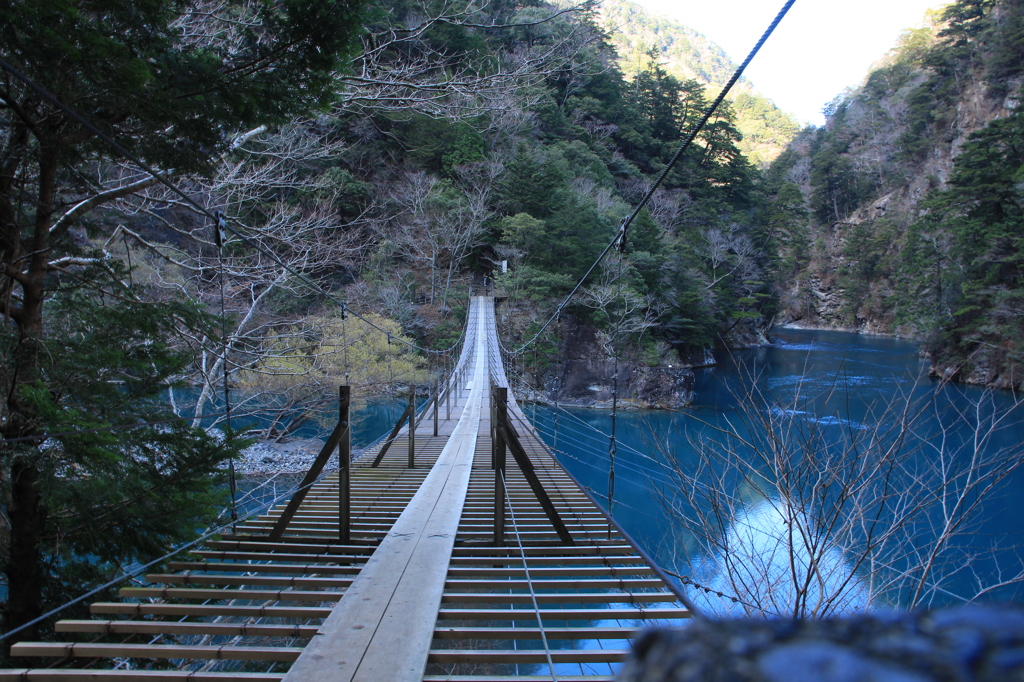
[412, 426]
[340, 431]
[436, 406]
[499, 408]
[494, 422]
[344, 466]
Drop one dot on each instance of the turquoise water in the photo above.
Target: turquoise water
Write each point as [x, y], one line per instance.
[834, 387]
[370, 417]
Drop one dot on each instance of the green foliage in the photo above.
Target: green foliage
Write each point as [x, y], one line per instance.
[867, 247]
[963, 262]
[535, 182]
[439, 145]
[129, 70]
[122, 494]
[174, 84]
[329, 351]
[533, 284]
[643, 38]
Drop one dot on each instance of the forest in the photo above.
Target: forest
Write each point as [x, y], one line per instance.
[388, 155]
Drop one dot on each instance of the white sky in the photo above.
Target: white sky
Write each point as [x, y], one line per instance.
[820, 48]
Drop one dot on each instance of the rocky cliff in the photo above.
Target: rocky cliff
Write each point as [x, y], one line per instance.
[850, 197]
[585, 374]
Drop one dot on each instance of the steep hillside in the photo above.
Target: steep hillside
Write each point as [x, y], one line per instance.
[640, 36]
[902, 214]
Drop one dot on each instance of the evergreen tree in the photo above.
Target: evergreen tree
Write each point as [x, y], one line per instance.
[968, 252]
[170, 82]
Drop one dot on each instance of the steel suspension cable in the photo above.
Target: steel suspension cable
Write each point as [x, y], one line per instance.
[529, 581]
[229, 434]
[620, 237]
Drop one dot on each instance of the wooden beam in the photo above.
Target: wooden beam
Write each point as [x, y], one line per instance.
[204, 594]
[48, 675]
[93, 650]
[340, 431]
[149, 627]
[534, 633]
[227, 610]
[497, 656]
[526, 466]
[344, 466]
[407, 415]
[563, 614]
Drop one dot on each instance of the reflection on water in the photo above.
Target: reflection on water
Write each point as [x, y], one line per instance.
[838, 384]
[771, 560]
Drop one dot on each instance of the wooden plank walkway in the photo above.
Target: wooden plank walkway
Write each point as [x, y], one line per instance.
[421, 592]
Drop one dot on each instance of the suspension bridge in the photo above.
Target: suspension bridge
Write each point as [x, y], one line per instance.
[457, 548]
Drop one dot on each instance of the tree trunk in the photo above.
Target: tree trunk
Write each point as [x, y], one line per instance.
[27, 513]
[24, 577]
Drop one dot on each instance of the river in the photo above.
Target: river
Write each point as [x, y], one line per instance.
[826, 393]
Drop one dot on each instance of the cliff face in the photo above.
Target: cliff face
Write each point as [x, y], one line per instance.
[817, 297]
[585, 375]
[866, 178]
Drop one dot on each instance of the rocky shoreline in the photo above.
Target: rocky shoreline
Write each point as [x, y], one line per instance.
[293, 457]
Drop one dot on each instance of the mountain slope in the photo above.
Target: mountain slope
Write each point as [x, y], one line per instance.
[902, 214]
[639, 35]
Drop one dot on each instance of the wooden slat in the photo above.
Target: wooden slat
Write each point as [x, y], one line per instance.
[306, 569]
[274, 580]
[124, 627]
[126, 609]
[563, 614]
[206, 594]
[47, 675]
[566, 583]
[497, 656]
[484, 677]
[91, 650]
[534, 633]
[558, 598]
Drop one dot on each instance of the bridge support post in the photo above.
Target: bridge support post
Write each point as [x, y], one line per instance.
[511, 440]
[494, 424]
[437, 387]
[412, 427]
[499, 408]
[391, 439]
[340, 433]
[344, 466]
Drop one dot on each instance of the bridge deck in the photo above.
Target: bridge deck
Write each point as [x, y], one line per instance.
[421, 592]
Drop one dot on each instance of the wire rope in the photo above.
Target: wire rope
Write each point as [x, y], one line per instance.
[225, 222]
[529, 580]
[144, 567]
[228, 433]
[620, 237]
